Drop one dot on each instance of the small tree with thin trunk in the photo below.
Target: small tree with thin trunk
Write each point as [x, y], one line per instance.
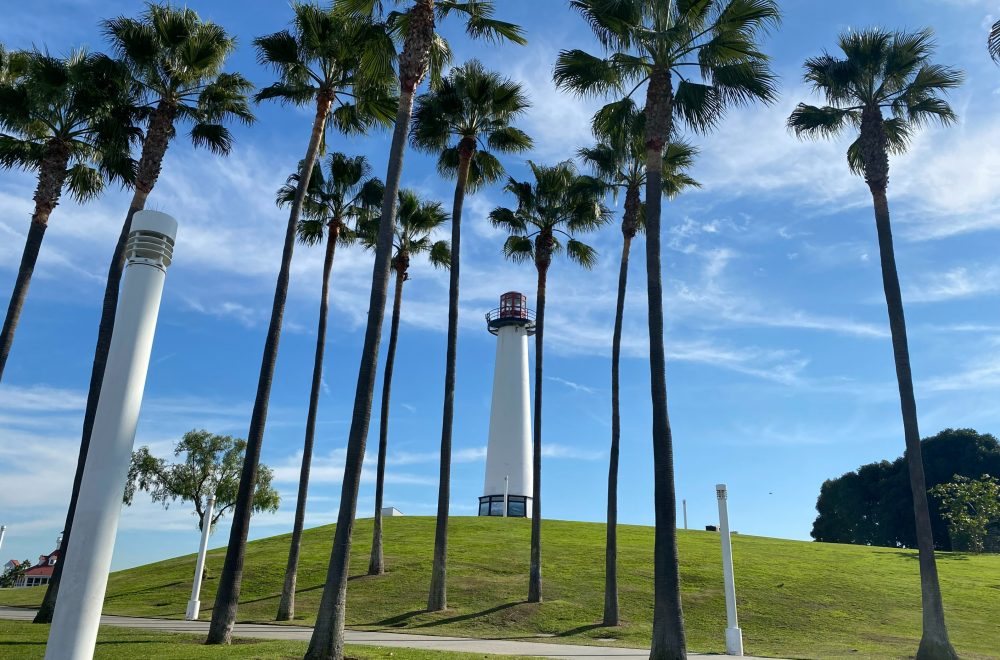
[344, 194]
[418, 219]
[465, 121]
[175, 59]
[694, 58]
[211, 468]
[72, 121]
[619, 160]
[423, 51]
[560, 203]
[888, 72]
[319, 64]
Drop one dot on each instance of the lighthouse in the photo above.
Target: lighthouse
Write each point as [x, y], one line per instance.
[508, 484]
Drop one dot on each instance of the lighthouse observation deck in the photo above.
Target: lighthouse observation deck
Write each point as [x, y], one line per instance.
[513, 310]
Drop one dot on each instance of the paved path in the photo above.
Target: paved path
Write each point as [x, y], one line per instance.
[424, 642]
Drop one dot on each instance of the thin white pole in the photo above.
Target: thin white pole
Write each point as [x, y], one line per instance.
[685, 503]
[734, 636]
[3, 532]
[506, 485]
[77, 615]
[194, 605]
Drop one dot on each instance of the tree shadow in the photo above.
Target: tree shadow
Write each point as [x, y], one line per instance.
[581, 629]
[471, 615]
[938, 556]
[146, 590]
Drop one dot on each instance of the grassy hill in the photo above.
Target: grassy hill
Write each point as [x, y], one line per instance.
[796, 599]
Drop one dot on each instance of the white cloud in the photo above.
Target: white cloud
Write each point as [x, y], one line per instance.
[959, 282]
[553, 450]
[576, 387]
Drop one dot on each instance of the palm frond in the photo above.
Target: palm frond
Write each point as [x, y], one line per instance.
[818, 122]
[993, 42]
[518, 249]
[581, 253]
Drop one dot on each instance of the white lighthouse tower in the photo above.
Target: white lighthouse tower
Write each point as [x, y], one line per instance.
[508, 486]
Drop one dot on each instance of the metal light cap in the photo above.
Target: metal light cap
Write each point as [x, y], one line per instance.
[720, 491]
[151, 240]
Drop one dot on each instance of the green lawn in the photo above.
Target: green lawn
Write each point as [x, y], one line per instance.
[796, 599]
[24, 641]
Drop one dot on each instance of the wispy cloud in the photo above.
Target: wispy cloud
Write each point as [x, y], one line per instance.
[576, 387]
[954, 284]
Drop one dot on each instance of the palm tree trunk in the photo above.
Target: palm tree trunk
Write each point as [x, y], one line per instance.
[327, 641]
[535, 570]
[376, 565]
[611, 616]
[228, 594]
[437, 600]
[934, 643]
[51, 177]
[154, 148]
[286, 607]
[668, 641]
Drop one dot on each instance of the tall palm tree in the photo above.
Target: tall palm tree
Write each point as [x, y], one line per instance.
[71, 121]
[466, 119]
[318, 62]
[620, 164]
[346, 193]
[993, 42]
[695, 58]
[560, 202]
[417, 221]
[423, 51]
[176, 60]
[891, 73]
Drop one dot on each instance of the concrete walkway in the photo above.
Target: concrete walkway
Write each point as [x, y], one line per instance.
[389, 639]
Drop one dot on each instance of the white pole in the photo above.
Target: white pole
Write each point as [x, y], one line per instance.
[194, 605]
[685, 503]
[3, 532]
[506, 486]
[734, 636]
[77, 615]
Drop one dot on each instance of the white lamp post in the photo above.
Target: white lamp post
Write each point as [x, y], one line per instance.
[3, 532]
[194, 605]
[734, 636]
[77, 615]
[685, 503]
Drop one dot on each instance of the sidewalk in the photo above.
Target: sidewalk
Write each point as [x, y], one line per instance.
[387, 639]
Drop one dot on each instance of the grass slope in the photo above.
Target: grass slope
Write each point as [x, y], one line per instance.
[21, 640]
[796, 599]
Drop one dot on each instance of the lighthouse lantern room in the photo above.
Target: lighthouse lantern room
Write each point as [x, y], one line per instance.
[508, 485]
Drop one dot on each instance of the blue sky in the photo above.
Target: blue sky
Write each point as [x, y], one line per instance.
[780, 370]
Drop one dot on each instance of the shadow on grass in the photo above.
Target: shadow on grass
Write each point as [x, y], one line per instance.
[938, 556]
[581, 629]
[123, 594]
[471, 615]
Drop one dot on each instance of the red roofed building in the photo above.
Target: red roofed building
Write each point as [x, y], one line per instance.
[41, 573]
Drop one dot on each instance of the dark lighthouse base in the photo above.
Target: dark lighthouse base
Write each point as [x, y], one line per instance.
[518, 506]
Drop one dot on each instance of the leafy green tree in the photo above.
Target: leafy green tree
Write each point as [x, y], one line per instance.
[560, 202]
[710, 48]
[619, 160]
[318, 62]
[70, 120]
[873, 505]
[418, 220]
[176, 59]
[970, 506]
[211, 468]
[10, 576]
[891, 72]
[464, 121]
[344, 194]
[423, 51]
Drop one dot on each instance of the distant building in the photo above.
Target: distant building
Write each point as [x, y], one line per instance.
[10, 565]
[41, 573]
[391, 512]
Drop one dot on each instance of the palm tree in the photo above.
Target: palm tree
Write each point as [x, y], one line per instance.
[561, 201]
[318, 62]
[417, 221]
[423, 51]
[620, 164]
[346, 192]
[71, 121]
[710, 48]
[175, 58]
[993, 43]
[888, 72]
[463, 121]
